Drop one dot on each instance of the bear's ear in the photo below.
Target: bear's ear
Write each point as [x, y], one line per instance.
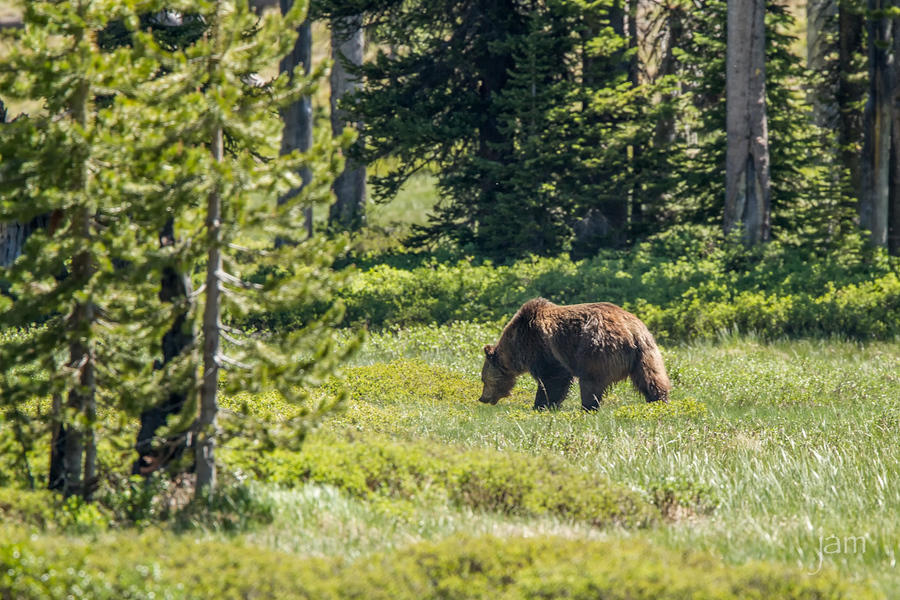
[488, 350]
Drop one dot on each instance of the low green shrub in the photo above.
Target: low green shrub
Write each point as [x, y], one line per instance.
[652, 411]
[513, 568]
[679, 286]
[235, 507]
[680, 497]
[232, 508]
[507, 482]
[50, 511]
[151, 565]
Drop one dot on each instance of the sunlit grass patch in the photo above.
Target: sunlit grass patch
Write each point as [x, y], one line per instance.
[685, 407]
[406, 381]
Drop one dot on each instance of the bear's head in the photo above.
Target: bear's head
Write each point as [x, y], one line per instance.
[498, 380]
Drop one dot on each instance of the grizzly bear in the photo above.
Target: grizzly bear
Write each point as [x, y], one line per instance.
[598, 343]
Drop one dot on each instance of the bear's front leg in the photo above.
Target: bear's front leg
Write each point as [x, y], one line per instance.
[552, 390]
[591, 394]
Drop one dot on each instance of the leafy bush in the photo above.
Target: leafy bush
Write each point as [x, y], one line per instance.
[48, 510]
[236, 506]
[156, 566]
[563, 568]
[680, 497]
[682, 285]
[652, 411]
[508, 483]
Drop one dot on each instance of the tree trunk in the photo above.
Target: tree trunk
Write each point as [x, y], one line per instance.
[850, 92]
[56, 479]
[347, 46]
[874, 189]
[747, 182]
[79, 439]
[13, 234]
[12, 243]
[664, 134]
[12, 240]
[894, 207]
[298, 120]
[820, 15]
[636, 221]
[205, 442]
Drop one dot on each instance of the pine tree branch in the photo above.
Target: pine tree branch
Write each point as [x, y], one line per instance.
[222, 358]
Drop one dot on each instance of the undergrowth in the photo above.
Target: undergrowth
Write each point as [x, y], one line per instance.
[160, 566]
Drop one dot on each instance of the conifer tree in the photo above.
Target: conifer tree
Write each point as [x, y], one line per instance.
[806, 201]
[141, 138]
[218, 131]
[525, 110]
[63, 163]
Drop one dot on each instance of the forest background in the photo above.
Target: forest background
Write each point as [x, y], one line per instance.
[194, 245]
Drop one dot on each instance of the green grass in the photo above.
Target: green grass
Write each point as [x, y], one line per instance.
[783, 452]
[795, 441]
[514, 566]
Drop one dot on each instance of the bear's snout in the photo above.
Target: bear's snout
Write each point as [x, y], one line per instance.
[484, 400]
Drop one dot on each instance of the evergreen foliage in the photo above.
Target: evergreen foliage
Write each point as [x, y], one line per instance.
[809, 204]
[525, 110]
[544, 129]
[96, 317]
[120, 153]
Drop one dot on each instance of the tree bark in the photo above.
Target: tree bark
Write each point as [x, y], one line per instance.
[820, 15]
[636, 220]
[56, 479]
[12, 234]
[347, 47]
[79, 439]
[851, 90]
[894, 196]
[874, 189]
[747, 184]
[205, 442]
[664, 134]
[298, 120]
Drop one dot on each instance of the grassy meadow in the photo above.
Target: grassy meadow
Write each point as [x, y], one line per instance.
[778, 455]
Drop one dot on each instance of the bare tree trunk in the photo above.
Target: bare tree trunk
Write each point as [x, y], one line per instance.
[747, 185]
[347, 46]
[57, 475]
[298, 121]
[79, 444]
[850, 90]
[636, 221]
[820, 15]
[874, 189]
[894, 206]
[664, 133]
[205, 442]
[79, 438]
[14, 234]
[12, 240]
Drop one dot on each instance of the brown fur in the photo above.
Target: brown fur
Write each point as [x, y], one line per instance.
[598, 343]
